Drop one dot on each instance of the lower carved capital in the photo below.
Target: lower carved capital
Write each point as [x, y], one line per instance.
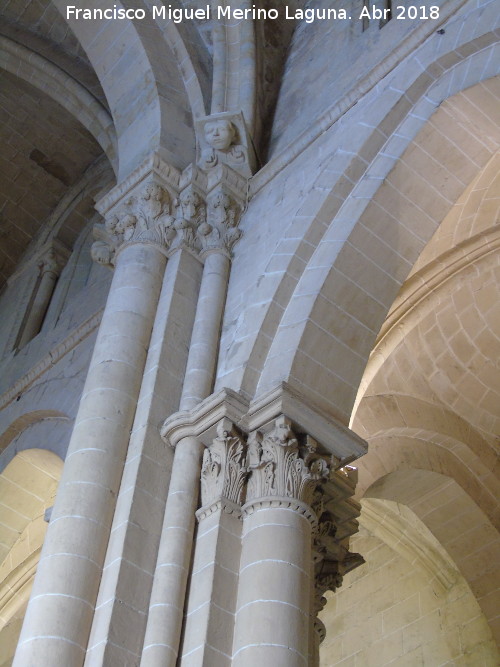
[224, 470]
[320, 630]
[281, 466]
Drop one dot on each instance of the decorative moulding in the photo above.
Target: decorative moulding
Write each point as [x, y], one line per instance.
[259, 415]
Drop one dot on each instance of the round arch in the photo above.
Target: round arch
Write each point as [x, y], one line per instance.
[455, 520]
[145, 91]
[329, 325]
[347, 250]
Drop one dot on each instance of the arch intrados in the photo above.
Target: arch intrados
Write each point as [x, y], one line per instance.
[27, 484]
[25, 421]
[62, 88]
[403, 451]
[253, 377]
[453, 517]
[144, 89]
[376, 231]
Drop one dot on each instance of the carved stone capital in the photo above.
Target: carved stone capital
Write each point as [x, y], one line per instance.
[220, 505]
[274, 502]
[224, 470]
[283, 454]
[144, 216]
[159, 205]
[190, 214]
[281, 466]
[337, 513]
[222, 138]
[220, 231]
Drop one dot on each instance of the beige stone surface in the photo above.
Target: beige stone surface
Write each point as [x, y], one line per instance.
[296, 234]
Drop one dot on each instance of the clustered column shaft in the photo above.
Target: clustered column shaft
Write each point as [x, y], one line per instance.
[266, 532]
[163, 630]
[59, 615]
[262, 486]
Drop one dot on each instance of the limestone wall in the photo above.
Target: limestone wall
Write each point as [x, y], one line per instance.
[387, 613]
[316, 79]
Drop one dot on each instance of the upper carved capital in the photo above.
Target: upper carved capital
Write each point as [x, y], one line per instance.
[224, 468]
[281, 466]
[144, 216]
[220, 230]
[159, 205]
[222, 138]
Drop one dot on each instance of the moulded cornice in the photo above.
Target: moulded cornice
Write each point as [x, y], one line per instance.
[234, 183]
[336, 438]
[202, 421]
[153, 166]
[259, 415]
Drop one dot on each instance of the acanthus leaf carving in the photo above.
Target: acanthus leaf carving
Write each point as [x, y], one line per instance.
[331, 556]
[281, 467]
[224, 468]
[220, 230]
[190, 214]
[142, 217]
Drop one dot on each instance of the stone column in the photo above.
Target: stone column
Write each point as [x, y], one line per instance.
[50, 266]
[208, 630]
[274, 596]
[163, 630]
[217, 235]
[60, 612]
[205, 338]
[120, 620]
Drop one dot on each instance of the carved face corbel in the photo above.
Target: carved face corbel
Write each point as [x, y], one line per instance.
[219, 134]
[223, 139]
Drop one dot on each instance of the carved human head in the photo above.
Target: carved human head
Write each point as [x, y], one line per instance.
[219, 134]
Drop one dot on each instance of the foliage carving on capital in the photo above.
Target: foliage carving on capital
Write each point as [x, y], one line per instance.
[282, 467]
[224, 468]
[190, 213]
[144, 217]
[336, 513]
[220, 230]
